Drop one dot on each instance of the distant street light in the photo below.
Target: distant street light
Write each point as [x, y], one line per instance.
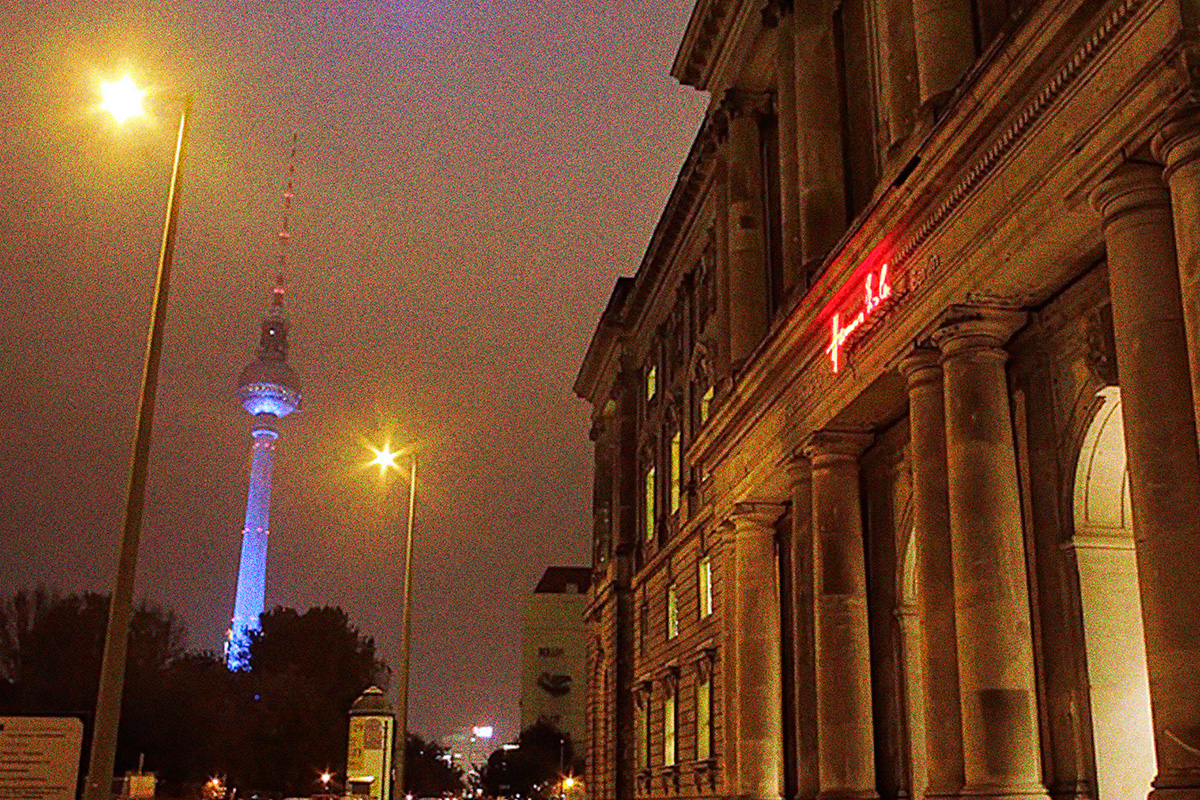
[386, 459]
[123, 100]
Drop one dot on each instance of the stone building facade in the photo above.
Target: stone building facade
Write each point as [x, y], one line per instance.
[897, 485]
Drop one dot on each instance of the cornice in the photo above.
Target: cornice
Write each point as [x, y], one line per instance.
[706, 27]
[603, 353]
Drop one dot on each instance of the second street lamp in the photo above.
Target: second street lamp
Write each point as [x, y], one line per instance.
[386, 459]
[123, 100]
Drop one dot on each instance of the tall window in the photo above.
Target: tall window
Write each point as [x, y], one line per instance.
[650, 506]
[704, 581]
[704, 717]
[768, 154]
[672, 611]
[643, 729]
[651, 382]
[670, 725]
[706, 403]
[676, 468]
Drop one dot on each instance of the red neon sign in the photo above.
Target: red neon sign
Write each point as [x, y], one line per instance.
[874, 295]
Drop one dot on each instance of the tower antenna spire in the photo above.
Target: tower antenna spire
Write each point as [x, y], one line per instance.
[285, 233]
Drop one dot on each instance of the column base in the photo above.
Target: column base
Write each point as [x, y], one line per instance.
[1182, 785]
[942, 792]
[1021, 790]
[848, 794]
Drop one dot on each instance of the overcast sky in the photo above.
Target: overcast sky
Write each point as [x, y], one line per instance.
[472, 177]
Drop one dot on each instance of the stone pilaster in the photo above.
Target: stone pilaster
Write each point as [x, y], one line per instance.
[822, 195]
[803, 665]
[845, 736]
[1161, 453]
[747, 296]
[1178, 145]
[758, 707]
[935, 573]
[1001, 754]
[789, 208]
[945, 43]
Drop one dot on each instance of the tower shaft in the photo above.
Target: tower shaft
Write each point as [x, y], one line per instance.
[252, 569]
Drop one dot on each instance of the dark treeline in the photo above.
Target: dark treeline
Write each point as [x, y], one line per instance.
[271, 728]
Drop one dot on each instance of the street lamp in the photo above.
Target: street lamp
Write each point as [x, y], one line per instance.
[386, 459]
[123, 100]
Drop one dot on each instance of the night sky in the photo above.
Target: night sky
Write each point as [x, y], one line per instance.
[472, 177]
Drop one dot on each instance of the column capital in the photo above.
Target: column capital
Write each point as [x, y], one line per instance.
[1130, 187]
[1177, 145]
[921, 366]
[798, 467]
[755, 515]
[829, 445]
[738, 103]
[965, 329]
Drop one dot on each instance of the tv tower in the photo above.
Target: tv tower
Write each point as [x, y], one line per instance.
[269, 390]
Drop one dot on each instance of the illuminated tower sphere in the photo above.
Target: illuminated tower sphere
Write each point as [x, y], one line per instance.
[269, 390]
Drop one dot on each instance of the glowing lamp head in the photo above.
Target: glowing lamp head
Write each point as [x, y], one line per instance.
[384, 459]
[122, 98]
[568, 782]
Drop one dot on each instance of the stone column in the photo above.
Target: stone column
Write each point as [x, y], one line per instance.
[803, 666]
[935, 573]
[758, 709]
[845, 736]
[945, 43]
[897, 68]
[1179, 146]
[1161, 453]
[822, 193]
[1001, 755]
[744, 183]
[779, 15]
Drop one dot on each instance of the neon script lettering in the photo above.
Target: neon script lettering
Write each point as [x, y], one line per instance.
[875, 291]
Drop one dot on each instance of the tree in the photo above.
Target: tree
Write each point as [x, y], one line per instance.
[51, 648]
[428, 770]
[272, 727]
[306, 669]
[533, 768]
[321, 646]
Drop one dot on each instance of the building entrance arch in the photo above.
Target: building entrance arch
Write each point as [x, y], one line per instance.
[1112, 612]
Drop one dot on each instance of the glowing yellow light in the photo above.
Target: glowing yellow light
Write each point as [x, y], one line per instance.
[122, 99]
[568, 782]
[384, 458]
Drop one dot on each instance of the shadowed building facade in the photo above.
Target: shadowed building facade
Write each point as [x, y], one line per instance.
[895, 424]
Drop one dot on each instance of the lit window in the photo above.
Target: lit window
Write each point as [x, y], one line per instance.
[704, 718]
[706, 403]
[670, 726]
[676, 469]
[704, 575]
[650, 509]
[651, 382]
[643, 726]
[672, 611]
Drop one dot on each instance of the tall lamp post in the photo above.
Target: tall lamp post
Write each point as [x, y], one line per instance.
[123, 99]
[386, 459]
